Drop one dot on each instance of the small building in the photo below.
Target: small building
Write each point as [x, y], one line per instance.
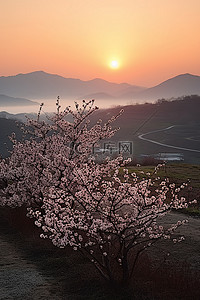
[169, 156]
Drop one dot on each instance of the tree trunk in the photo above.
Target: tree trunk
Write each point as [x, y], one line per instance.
[126, 277]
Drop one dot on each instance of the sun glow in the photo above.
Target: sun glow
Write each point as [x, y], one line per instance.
[114, 64]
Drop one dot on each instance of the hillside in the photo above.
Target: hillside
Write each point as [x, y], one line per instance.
[183, 110]
[183, 114]
[7, 128]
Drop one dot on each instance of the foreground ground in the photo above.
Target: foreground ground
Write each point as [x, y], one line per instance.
[31, 269]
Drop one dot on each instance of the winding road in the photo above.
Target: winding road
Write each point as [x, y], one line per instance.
[142, 137]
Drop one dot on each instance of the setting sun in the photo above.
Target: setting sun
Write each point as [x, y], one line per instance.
[138, 42]
[114, 64]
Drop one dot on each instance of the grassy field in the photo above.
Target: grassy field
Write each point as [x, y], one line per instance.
[178, 173]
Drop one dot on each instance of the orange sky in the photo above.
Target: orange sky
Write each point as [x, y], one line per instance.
[151, 39]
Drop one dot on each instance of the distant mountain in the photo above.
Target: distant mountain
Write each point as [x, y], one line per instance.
[11, 101]
[41, 85]
[99, 96]
[181, 85]
[132, 90]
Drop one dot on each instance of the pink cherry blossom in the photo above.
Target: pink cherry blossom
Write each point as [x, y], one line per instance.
[108, 216]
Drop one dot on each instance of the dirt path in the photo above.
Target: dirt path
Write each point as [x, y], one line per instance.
[20, 278]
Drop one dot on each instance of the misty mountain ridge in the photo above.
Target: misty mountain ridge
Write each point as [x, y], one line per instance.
[12, 101]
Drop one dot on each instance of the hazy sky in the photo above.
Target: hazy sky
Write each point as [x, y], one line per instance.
[152, 40]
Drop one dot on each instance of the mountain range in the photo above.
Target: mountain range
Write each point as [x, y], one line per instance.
[41, 85]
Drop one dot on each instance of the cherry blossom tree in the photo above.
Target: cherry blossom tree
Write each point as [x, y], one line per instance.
[99, 209]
